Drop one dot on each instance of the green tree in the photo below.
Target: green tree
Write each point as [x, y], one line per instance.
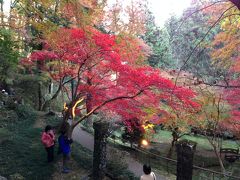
[9, 56]
[158, 40]
[188, 41]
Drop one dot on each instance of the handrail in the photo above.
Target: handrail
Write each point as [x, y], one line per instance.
[229, 151]
[175, 161]
[150, 153]
[215, 172]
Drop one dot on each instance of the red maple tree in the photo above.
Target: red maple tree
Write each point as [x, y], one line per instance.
[107, 75]
[232, 95]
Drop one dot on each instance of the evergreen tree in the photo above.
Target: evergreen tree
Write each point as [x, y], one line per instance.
[158, 40]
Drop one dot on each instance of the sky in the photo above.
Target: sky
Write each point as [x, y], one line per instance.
[162, 9]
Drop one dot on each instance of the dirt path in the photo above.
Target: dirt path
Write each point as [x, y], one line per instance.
[87, 141]
[40, 121]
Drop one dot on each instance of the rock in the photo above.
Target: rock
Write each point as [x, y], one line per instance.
[2, 178]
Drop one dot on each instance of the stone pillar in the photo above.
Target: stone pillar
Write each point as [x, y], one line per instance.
[185, 152]
[100, 149]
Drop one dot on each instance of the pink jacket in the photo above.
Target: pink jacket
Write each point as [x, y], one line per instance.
[48, 139]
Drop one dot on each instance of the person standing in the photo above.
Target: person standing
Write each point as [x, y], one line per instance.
[48, 140]
[65, 149]
[148, 174]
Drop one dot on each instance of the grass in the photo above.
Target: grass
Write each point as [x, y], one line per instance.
[21, 153]
[22, 156]
[202, 142]
[82, 156]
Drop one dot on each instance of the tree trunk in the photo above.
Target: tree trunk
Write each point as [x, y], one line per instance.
[2, 22]
[72, 89]
[175, 138]
[47, 103]
[100, 149]
[219, 158]
[39, 96]
[26, 38]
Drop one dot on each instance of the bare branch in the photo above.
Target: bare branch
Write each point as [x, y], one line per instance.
[197, 45]
[184, 20]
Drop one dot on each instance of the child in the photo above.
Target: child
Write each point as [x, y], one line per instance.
[148, 174]
[64, 147]
[48, 140]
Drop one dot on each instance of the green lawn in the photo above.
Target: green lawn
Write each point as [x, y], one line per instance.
[21, 152]
[164, 136]
[22, 155]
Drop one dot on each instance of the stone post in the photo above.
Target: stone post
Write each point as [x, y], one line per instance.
[100, 149]
[185, 152]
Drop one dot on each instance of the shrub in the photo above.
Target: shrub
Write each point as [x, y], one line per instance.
[117, 166]
[7, 117]
[25, 111]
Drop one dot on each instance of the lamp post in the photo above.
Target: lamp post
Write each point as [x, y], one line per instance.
[145, 145]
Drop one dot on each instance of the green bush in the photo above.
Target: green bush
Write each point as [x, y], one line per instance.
[119, 171]
[4, 134]
[9, 55]
[117, 165]
[25, 111]
[7, 117]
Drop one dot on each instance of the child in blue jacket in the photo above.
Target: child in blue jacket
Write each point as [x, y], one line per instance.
[65, 148]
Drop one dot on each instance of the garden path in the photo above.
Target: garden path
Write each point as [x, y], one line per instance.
[87, 140]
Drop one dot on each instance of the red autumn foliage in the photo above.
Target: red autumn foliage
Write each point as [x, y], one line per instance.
[224, 54]
[107, 75]
[232, 96]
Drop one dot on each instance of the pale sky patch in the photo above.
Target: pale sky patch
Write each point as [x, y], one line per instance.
[6, 6]
[162, 9]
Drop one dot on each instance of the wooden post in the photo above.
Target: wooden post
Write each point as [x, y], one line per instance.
[185, 151]
[100, 149]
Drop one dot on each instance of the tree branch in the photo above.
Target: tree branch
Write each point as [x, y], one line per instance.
[197, 45]
[184, 20]
[104, 103]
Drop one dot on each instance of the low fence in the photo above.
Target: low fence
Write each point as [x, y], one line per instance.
[200, 173]
[170, 166]
[167, 164]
